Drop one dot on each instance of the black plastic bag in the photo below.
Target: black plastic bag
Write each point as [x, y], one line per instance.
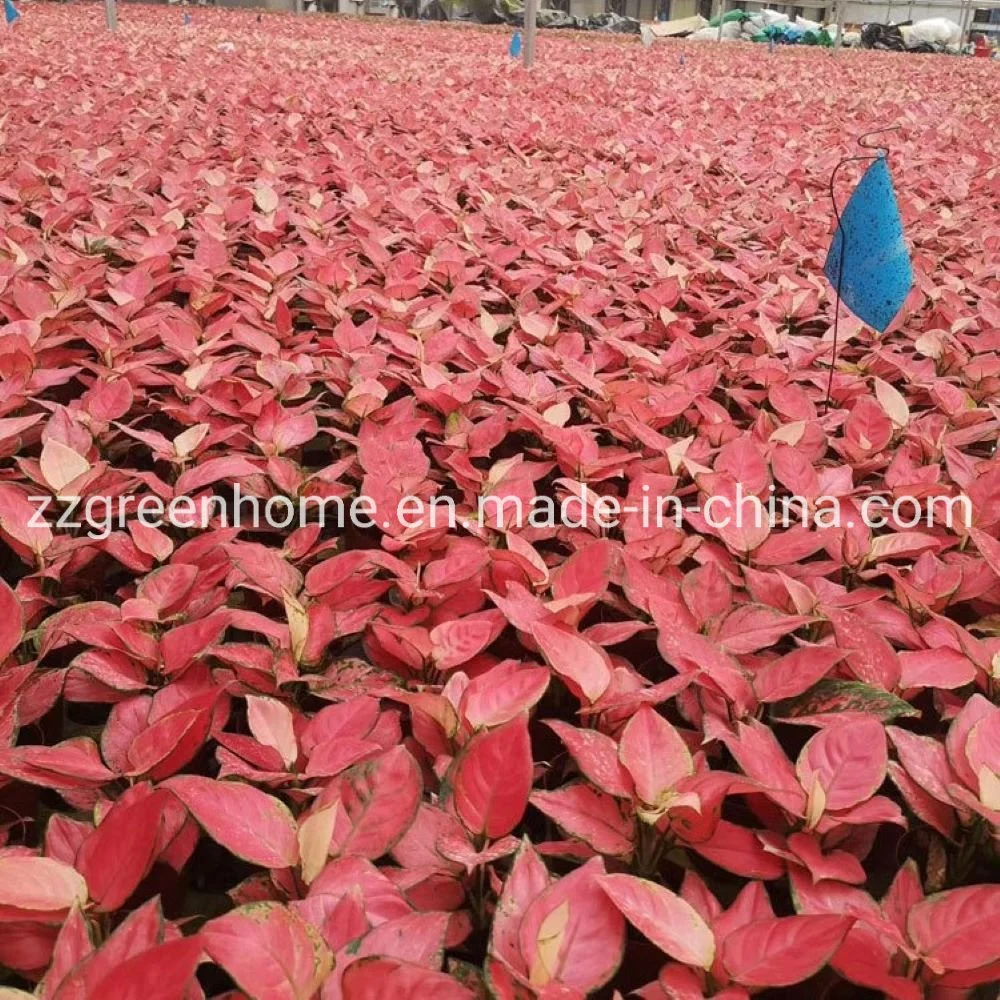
[887, 37]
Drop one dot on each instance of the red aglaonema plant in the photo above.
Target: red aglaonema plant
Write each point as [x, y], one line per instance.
[298, 260]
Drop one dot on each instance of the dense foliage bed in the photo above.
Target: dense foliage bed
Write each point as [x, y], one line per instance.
[312, 257]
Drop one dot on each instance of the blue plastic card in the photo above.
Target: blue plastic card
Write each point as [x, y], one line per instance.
[877, 274]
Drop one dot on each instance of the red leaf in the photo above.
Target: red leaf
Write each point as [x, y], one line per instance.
[989, 548]
[867, 427]
[161, 973]
[935, 668]
[380, 800]
[11, 622]
[782, 951]
[528, 878]
[336, 755]
[839, 865]
[789, 547]
[165, 746]
[211, 471]
[384, 978]
[738, 850]
[458, 641]
[73, 763]
[72, 947]
[485, 804]
[166, 588]
[118, 855]
[760, 756]
[418, 938]
[140, 931]
[707, 592]
[925, 760]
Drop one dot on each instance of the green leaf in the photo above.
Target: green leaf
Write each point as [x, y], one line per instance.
[831, 696]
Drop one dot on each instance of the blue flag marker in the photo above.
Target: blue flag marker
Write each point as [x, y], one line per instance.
[187, 19]
[868, 262]
[10, 12]
[515, 44]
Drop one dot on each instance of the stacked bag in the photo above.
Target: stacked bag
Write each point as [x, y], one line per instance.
[763, 26]
[770, 25]
[936, 34]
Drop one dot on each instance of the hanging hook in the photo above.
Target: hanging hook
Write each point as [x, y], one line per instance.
[879, 152]
[884, 150]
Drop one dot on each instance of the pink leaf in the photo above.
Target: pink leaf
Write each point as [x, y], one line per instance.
[502, 693]
[589, 815]
[848, 760]
[655, 755]
[781, 951]
[870, 657]
[957, 929]
[795, 672]
[253, 825]
[527, 879]
[270, 952]
[270, 722]
[670, 922]
[458, 641]
[596, 756]
[574, 658]
[572, 933]
[33, 883]
[61, 465]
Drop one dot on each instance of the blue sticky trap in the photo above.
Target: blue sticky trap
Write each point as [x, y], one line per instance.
[10, 12]
[877, 274]
[515, 45]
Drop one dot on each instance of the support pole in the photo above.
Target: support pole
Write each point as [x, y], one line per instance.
[721, 8]
[530, 31]
[967, 18]
[111, 14]
[841, 13]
